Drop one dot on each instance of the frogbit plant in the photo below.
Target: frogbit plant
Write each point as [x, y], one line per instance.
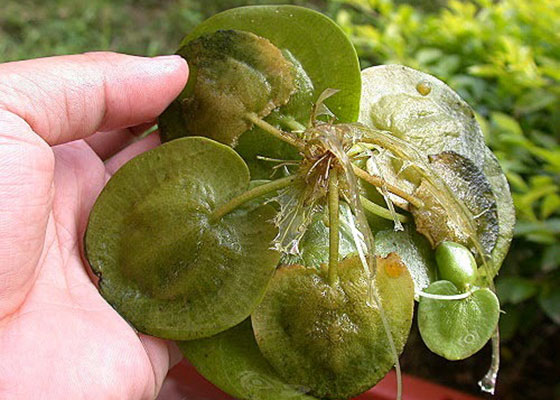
[298, 208]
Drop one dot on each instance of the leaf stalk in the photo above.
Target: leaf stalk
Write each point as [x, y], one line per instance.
[333, 200]
[378, 182]
[249, 195]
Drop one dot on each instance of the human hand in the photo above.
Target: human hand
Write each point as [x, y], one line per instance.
[58, 338]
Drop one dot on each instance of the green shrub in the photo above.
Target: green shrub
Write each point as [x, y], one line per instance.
[504, 59]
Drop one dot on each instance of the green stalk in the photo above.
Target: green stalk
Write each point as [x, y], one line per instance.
[382, 212]
[378, 182]
[333, 226]
[284, 136]
[291, 123]
[250, 195]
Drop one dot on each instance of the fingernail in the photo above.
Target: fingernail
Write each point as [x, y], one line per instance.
[171, 62]
[171, 58]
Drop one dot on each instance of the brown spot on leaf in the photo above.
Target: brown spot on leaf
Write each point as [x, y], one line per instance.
[393, 265]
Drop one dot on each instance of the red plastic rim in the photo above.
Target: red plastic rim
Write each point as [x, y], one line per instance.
[184, 383]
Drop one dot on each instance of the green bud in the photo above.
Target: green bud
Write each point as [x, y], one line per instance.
[456, 264]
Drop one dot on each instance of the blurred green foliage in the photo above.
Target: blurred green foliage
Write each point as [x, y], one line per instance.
[503, 57]
[35, 28]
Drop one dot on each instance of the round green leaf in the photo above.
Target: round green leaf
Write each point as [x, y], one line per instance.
[328, 338]
[315, 41]
[549, 300]
[456, 329]
[322, 56]
[232, 361]
[163, 265]
[424, 111]
[233, 74]
[456, 264]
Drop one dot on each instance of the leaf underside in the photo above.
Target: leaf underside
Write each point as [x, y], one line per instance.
[164, 266]
[327, 338]
[456, 329]
[423, 111]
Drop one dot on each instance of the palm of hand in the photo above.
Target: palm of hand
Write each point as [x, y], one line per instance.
[58, 337]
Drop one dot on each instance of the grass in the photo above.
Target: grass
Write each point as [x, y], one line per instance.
[38, 28]
[30, 29]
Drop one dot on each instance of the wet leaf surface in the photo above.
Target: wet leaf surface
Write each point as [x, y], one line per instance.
[327, 337]
[422, 110]
[233, 73]
[472, 188]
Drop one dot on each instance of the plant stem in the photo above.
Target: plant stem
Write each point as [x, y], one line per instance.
[249, 195]
[488, 382]
[378, 182]
[333, 226]
[382, 212]
[284, 136]
[291, 123]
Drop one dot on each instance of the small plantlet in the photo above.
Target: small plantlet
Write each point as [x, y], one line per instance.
[457, 328]
[287, 245]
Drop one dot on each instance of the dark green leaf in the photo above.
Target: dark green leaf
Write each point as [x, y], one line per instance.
[551, 226]
[514, 289]
[549, 300]
[164, 266]
[551, 258]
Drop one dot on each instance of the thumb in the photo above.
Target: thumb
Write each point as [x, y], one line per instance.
[55, 100]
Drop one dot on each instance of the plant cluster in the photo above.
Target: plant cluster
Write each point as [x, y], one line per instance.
[297, 210]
